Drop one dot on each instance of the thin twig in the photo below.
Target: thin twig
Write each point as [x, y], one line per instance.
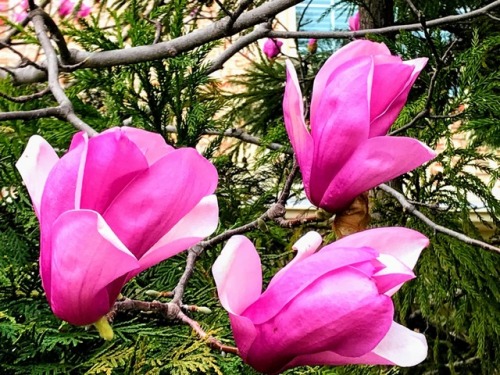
[223, 8]
[428, 102]
[211, 341]
[259, 32]
[24, 60]
[26, 98]
[241, 135]
[493, 17]
[421, 17]
[276, 211]
[170, 311]
[38, 19]
[407, 206]
[292, 223]
[32, 114]
[386, 30]
[242, 6]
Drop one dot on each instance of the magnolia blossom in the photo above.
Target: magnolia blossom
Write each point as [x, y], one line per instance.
[112, 206]
[20, 11]
[66, 7]
[272, 48]
[357, 95]
[331, 307]
[354, 22]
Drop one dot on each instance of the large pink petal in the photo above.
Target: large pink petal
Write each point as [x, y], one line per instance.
[305, 246]
[402, 243]
[86, 258]
[300, 276]
[34, 165]
[61, 194]
[341, 123]
[391, 86]
[159, 197]
[152, 145]
[388, 82]
[293, 110]
[244, 333]
[400, 347]
[238, 275]
[390, 279]
[358, 48]
[375, 161]
[199, 223]
[342, 311]
[112, 162]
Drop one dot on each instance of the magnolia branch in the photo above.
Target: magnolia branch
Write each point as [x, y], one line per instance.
[259, 32]
[407, 206]
[275, 212]
[170, 311]
[38, 17]
[484, 11]
[241, 135]
[219, 30]
[163, 50]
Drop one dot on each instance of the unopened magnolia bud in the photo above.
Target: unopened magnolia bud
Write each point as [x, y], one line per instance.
[262, 225]
[104, 328]
[204, 310]
[152, 293]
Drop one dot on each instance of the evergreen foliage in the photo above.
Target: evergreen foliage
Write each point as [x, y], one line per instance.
[455, 299]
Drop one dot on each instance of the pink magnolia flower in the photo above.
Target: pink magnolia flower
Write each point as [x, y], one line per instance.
[272, 48]
[84, 10]
[354, 22]
[332, 307]
[20, 11]
[357, 95]
[112, 206]
[67, 7]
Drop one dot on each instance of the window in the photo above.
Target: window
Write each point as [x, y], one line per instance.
[321, 15]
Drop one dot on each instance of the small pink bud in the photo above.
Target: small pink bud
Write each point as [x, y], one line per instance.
[272, 48]
[354, 22]
[312, 45]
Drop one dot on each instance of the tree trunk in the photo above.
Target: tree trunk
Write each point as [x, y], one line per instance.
[376, 13]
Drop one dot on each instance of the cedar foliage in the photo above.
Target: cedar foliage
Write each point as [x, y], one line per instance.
[455, 300]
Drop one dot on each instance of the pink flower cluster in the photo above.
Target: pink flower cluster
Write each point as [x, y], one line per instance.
[65, 8]
[123, 201]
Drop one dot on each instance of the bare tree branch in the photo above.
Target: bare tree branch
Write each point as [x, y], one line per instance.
[162, 50]
[26, 98]
[38, 18]
[219, 30]
[407, 206]
[259, 32]
[386, 30]
[170, 311]
[275, 212]
[32, 114]
[430, 91]
[241, 135]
